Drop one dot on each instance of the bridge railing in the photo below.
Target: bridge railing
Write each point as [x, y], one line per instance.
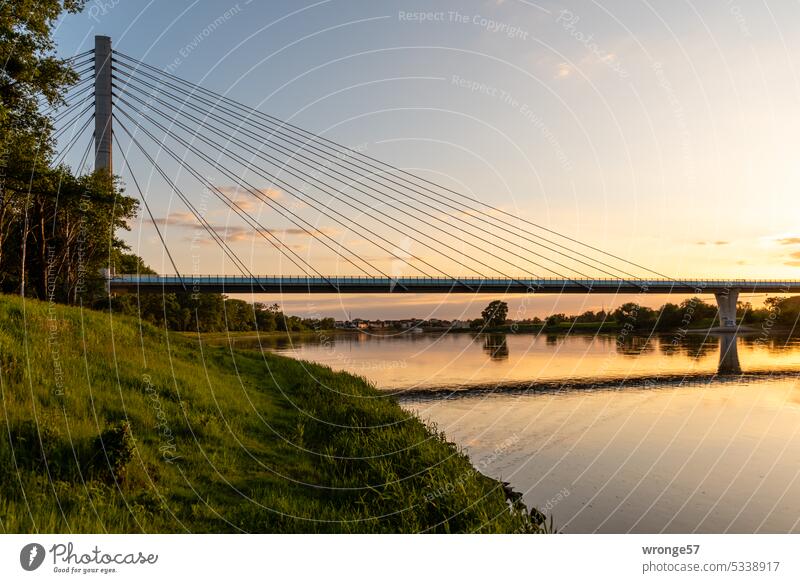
[698, 284]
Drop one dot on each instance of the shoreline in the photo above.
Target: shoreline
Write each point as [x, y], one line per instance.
[577, 384]
[235, 336]
[269, 444]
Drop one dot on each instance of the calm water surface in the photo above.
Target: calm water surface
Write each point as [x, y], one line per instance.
[650, 435]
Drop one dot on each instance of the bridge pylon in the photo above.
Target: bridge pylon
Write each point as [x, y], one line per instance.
[102, 104]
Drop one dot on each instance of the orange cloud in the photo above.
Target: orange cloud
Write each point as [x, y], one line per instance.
[238, 190]
[795, 262]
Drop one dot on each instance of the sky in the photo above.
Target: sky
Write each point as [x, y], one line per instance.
[663, 132]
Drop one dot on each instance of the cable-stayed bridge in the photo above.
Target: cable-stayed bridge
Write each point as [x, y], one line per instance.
[343, 205]
[426, 285]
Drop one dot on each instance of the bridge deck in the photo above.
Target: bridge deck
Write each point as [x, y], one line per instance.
[361, 285]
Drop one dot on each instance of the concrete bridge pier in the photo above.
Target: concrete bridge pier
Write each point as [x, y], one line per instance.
[726, 303]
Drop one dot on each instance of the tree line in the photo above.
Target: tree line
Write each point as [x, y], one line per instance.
[58, 225]
[692, 312]
[213, 313]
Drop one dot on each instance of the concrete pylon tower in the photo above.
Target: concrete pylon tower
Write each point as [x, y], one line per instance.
[102, 103]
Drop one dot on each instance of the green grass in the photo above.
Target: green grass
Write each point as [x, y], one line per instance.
[218, 337]
[109, 426]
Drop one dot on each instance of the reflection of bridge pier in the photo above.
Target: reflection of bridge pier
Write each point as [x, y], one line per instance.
[728, 354]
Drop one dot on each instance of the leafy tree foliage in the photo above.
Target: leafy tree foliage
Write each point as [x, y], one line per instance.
[57, 229]
[29, 71]
[495, 313]
[783, 311]
[210, 312]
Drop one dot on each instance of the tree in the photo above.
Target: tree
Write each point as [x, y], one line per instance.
[495, 313]
[28, 71]
[695, 309]
[123, 262]
[57, 229]
[671, 316]
[633, 315]
[785, 311]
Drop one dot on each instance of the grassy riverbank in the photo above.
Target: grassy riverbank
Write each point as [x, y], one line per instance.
[219, 338]
[109, 426]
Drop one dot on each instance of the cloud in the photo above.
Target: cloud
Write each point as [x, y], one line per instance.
[719, 243]
[247, 233]
[233, 233]
[272, 193]
[795, 259]
[177, 219]
[237, 237]
[789, 241]
[249, 199]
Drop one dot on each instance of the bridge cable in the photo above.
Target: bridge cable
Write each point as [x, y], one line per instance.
[78, 56]
[73, 123]
[293, 218]
[275, 179]
[277, 163]
[71, 108]
[149, 212]
[259, 228]
[247, 145]
[83, 77]
[206, 226]
[349, 152]
[81, 164]
[216, 106]
[70, 144]
[289, 190]
[184, 198]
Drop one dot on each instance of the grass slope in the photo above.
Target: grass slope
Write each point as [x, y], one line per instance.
[110, 426]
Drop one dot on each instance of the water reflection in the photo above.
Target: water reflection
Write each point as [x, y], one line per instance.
[728, 355]
[669, 433]
[496, 346]
[714, 458]
[463, 360]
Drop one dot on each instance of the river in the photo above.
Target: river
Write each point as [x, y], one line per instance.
[672, 433]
